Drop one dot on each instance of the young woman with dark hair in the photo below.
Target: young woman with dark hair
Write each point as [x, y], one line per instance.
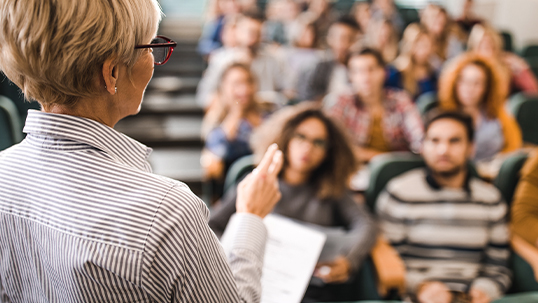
[318, 163]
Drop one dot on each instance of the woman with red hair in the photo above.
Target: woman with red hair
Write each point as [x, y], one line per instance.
[475, 85]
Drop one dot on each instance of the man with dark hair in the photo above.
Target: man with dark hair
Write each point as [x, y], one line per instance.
[330, 74]
[379, 119]
[270, 72]
[448, 225]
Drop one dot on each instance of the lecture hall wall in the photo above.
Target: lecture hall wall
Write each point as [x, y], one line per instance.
[520, 17]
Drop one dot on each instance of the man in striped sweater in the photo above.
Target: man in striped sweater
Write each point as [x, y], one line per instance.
[448, 226]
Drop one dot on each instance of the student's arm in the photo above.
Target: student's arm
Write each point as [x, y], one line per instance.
[525, 203]
[362, 225]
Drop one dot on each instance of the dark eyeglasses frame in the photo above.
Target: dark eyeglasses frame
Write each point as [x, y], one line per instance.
[171, 44]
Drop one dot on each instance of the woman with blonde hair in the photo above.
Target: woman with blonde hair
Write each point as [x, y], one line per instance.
[82, 216]
[415, 72]
[318, 164]
[229, 122]
[447, 38]
[486, 41]
[474, 84]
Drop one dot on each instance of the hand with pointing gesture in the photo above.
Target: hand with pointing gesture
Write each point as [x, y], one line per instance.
[259, 192]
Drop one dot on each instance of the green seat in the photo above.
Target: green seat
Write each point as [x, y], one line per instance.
[386, 167]
[506, 181]
[508, 176]
[530, 51]
[409, 15]
[507, 41]
[238, 170]
[525, 108]
[10, 90]
[10, 126]
[519, 298]
[426, 102]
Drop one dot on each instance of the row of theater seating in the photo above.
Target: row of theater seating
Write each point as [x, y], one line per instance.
[382, 275]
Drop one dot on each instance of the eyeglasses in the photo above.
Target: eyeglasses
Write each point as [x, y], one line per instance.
[317, 143]
[162, 49]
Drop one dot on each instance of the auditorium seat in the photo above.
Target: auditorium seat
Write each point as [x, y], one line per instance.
[525, 108]
[10, 125]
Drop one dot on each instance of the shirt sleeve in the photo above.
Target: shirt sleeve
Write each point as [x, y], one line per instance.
[413, 126]
[525, 204]
[495, 277]
[217, 143]
[184, 261]
[361, 225]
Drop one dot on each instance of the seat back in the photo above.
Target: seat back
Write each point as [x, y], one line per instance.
[10, 126]
[238, 170]
[385, 167]
[508, 41]
[530, 51]
[506, 181]
[426, 102]
[524, 108]
[508, 176]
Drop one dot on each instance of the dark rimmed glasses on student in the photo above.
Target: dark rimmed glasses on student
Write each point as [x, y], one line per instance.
[162, 49]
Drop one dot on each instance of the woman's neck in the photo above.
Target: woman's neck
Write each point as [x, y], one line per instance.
[293, 177]
[475, 112]
[95, 109]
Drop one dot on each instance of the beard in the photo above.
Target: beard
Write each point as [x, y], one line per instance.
[448, 174]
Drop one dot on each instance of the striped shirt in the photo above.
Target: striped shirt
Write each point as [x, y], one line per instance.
[83, 219]
[456, 236]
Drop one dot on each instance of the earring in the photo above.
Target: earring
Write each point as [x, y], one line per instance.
[116, 90]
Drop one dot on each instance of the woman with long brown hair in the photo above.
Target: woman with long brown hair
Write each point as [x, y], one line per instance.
[318, 164]
[475, 85]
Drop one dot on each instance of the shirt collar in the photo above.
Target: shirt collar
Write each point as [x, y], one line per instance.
[436, 186]
[88, 132]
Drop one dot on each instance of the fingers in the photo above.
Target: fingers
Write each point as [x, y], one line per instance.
[276, 164]
[263, 168]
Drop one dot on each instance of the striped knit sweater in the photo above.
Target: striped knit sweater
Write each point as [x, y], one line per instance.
[456, 236]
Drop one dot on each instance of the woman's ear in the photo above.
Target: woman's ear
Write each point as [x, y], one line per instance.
[110, 75]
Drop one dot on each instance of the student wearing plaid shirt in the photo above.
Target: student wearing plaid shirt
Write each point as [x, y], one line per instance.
[379, 120]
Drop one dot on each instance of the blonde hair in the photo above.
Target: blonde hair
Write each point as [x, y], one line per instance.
[479, 32]
[405, 62]
[54, 49]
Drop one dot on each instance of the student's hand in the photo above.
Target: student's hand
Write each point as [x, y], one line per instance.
[479, 296]
[337, 271]
[258, 193]
[434, 292]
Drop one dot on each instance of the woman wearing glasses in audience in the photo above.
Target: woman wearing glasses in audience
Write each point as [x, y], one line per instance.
[486, 41]
[474, 84]
[82, 217]
[318, 163]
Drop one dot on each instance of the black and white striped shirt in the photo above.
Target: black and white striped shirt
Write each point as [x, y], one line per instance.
[83, 219]
[456, 236]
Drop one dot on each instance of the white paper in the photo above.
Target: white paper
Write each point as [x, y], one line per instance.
[360, 180]
[291, 256]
